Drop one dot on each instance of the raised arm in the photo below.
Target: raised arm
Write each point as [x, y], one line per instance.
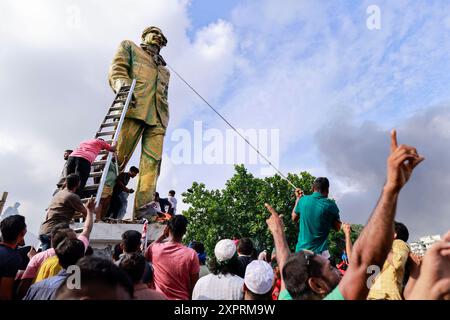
[276, 227]
[298, 195]
[414, 263]
[89, 222]
[375, 241]
[433, 283]
[346, 227]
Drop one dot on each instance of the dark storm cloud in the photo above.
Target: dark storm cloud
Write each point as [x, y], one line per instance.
[357, 155]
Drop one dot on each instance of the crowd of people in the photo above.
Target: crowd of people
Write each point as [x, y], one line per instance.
[379, 265]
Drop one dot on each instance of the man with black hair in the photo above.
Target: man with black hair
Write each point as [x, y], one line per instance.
[13, 230]
[316, 215]
[199, 247]
[100, 279]
[245, 251]
[164, 203]
[81, 159]
[118, 207]
[62, 209]
[68, 251]
[134, 265]
[176, 266]
[131, 243]
[156, 208]
[62, 178]
[388, 285]
[306, 275]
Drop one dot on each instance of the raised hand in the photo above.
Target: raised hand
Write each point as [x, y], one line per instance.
[434, 279]
[31, 253]
[275, 221]
[400, 164]
[346, 227]
[91, 204]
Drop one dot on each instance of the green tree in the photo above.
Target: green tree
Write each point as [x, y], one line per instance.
[238, 210]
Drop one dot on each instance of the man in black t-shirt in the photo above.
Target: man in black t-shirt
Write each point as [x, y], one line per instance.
[116, 204]
[13, 229]
[246, 252]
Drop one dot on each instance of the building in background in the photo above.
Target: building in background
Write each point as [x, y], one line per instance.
[424, 243]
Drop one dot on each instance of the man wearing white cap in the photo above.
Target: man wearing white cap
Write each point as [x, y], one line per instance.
[222, 283]
[258, 281]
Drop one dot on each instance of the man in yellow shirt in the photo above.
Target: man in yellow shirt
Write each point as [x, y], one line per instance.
[388, 284]
[49, 268]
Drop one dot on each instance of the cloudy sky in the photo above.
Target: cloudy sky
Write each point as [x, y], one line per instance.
[313, 70]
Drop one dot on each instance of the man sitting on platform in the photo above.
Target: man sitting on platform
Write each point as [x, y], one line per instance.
[154, 209]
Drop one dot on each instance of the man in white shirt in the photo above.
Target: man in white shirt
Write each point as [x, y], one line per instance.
[222, 283]
[173, 202]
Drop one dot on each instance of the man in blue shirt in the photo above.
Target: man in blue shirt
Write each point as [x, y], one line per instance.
[13, 230]
[316, 215]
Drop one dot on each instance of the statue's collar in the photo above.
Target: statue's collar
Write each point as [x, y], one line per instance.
[157, 58]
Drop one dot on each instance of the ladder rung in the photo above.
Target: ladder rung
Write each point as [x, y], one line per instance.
[106, 133]
[91, 187]
[125, 88]
[109, 124]
[99, 163]
[113, 116]
[115, 109]
[95, 174]
[121, 100]
[85, 200]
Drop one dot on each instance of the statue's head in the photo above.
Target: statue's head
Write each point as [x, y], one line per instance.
[154, 36]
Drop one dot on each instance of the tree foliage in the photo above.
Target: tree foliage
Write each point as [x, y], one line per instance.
[238, 210]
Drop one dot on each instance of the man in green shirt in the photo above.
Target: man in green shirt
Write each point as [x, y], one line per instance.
[316, 215]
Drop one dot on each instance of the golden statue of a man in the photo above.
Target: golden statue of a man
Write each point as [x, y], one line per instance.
[149, 118]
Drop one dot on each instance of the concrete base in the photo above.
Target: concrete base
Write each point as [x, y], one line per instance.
[105, 236]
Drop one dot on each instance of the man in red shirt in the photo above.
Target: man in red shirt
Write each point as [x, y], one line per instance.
[176, 267]
[83, 156]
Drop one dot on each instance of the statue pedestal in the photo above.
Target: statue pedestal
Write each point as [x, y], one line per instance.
[105, 236]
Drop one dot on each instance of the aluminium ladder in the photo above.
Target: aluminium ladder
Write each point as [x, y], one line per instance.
[109, 131]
